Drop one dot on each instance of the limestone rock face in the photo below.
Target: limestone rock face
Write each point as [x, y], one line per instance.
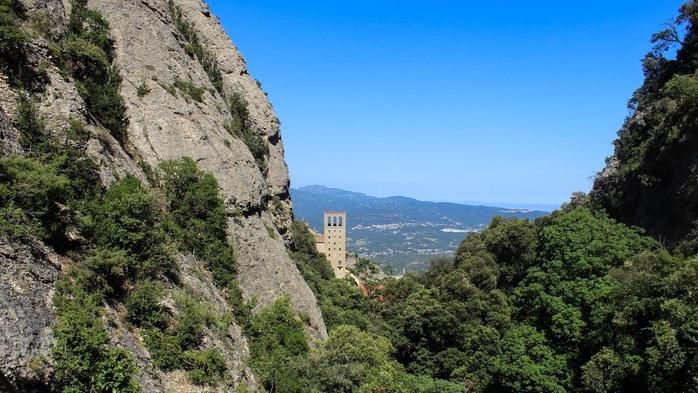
[27, 273]
[164, 123]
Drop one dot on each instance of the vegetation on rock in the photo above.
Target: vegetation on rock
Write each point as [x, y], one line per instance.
[240, 127]
[650, 180]
[194, 47]
[87, 54]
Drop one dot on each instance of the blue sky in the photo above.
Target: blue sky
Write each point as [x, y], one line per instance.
[507, 101]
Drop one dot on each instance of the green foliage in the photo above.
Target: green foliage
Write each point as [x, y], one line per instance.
[15, 224]
[91, 26]
[195, 49]
[30, 125]
[67, 157]
[190, 90]
[176, 346]
[194, 203]
[105, 271]
[277, 342]
[655, 319]
[651, 183]
[14, 50]
[38, 190]
[313, 266]
[205, 367]
[349, 359]
[87, 54]
[143, 307]
[127, 218]
[527, 364]
[341, 302]
[142, 90]
[115, 373]
[12, 39]
[408, 383]
[165, 349]
[241, 127]
[82, 360]
[199, 218]
[513, 244]
[83, 59]
[242, 310]
[566, 295]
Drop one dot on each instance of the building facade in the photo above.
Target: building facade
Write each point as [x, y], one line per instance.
[333, 241]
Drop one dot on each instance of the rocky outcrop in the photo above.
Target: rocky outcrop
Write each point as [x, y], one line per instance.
[164, 123]
[27, 273]
[651, 180]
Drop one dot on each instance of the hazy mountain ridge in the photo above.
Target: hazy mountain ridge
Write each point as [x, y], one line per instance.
[398, 230]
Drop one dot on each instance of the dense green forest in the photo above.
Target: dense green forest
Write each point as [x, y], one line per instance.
[575, 301]
[571, 302]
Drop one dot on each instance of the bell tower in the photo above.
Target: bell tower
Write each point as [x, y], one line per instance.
[335, 241]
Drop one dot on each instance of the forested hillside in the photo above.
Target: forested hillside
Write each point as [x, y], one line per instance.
[652, 178]
[573, 302]
[578, 301]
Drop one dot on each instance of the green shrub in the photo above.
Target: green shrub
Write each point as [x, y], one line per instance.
[164, 348]
[82, 361]
[87, 55]
[221, 262]
[38, 190]
[77, 133]
[199, 217]
[85, 60]
[190, 90]
[277, 342]
[142, 90]
[175, 347]
[240, 126]
[90, 25]
[31, 127]
[104, 100]
[15, 224]
[189, 328]
[194, 204]
[108, 269]
[128, 218]
[195, 49]
[12, 39]
[242, 310]
[14, 51]
[114, 373]
[204, 367]
[143, 307]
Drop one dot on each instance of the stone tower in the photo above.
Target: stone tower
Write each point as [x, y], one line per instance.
[335, 241]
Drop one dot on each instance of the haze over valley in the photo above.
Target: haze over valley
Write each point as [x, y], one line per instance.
[401, 232]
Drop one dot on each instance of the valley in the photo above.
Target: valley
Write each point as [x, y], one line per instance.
[399, 232]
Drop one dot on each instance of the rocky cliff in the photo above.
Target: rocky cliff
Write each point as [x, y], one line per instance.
[651, 180]
[175, 108]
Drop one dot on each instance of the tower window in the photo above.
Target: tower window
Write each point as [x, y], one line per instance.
[340, 221]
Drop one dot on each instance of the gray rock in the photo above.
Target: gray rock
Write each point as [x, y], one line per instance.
[164, 124]
[28, 270]
[169, 126]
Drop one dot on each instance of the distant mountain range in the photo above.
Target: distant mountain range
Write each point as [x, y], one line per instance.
[398, 231]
